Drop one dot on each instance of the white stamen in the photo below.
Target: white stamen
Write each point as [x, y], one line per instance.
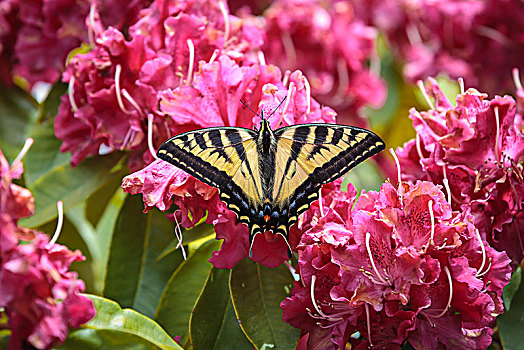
[126, 139]
[413, 34]
[368, 248]
[308, 94]
[420, 85]
[90, 34]
[289, 49]
[397, 162]
[479, 271]
[366, 305]
[223, 10]
[150, 136]
[288, 98]
[487, 269]
[461, 84]
[131, 100]
[191, 48]
[312, 293]
[446, 183]
[497, 119]
[320, 204]
[60, 208]
[285, 80]
[71, 94]
[261, 58]
[432, 217]
[516, 78]
[214, 56]
[118, 70]
[178, 235]
[343, 77]
[419, 149]
[27, 145]
[450, 293]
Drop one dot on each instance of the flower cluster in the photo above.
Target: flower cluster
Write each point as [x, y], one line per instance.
[162, 184]
[331, 46]
[38, 293]
[476, 40]
[36, 36]
[475, 149]
[394, 266]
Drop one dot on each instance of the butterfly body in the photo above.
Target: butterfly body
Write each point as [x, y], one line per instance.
[269, 177]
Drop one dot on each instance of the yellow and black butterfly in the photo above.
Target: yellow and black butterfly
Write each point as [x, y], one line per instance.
[269, 177]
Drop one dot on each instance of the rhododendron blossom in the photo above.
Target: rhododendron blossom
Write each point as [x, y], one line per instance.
[396, 265]
[476, 150]
[38, 294]
[214, 99]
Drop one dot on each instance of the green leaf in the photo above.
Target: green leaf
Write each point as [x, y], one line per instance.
[512, 288]
[364, 177]
[221, 331]
[257, 292]
[511, 322]
[110, 317]
[189, 235]
[19, 115]
[90, 339]
[72, 186]
[182, 291]
[134, 277]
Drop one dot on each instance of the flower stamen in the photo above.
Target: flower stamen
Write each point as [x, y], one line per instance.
[90, 34]
[420, 85]
[191, 48]
[223, 10]
[397, 162]
[27, 145]
[118, 71]
[133, 102]
[285, 80]
[497, 119]
[450, 293]
[461, 85]
[419, 148]
[320, 204]
[178, 235]
[516, 78]
[366, 305]
[432, 217]
[477, 235]
[71, 94]
[288, 98]
[308, 94]
[368, 248]
[150, 136]
[60, 222]
[446, 183]
[261, 58]
[312, 294]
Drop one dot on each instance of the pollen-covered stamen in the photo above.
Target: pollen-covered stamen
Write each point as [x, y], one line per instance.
[308, 94]
[227, 25]
[315, 305]
[450, 282]
[343, 77]
[150, 136]
[366, 306]
[261, 58]
[445, 181]
[191, 48]
[133, 102]
[432, 217]
[461, 85]
[288, 98]
[71, 94]
[214, 56]
[118, 71]
[497, 135]
[420, 85]
[477, 235]
[91, 26]
[60, 222]
[178, 235]
[27, 145]
[368, 248]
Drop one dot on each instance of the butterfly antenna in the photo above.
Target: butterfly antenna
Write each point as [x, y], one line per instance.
[280, 104]
[250, 108]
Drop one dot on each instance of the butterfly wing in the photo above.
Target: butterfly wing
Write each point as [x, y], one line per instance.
[310, 155]
[224, 157]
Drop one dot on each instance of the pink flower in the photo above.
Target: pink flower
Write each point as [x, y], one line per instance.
[331, 46]
[398, 262]
[476, 149]
[116, 89]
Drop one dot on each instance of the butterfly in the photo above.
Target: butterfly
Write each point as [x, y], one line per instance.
[269, 177]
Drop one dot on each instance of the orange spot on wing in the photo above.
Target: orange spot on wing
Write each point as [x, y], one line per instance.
[266, 218]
